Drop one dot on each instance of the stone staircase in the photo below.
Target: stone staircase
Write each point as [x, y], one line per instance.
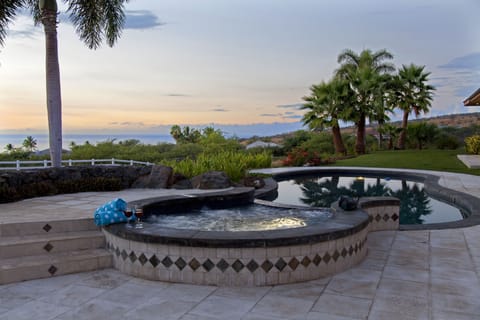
[33, 250]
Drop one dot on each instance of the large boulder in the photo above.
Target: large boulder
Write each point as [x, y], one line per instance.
[181, 182]
[211, 180]
[160, 177]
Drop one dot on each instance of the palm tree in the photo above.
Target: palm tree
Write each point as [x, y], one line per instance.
[392, 132]
[326, 105]
[30, 143]
[412, 94]
[93, 20]
[365, 74]
[9, 148]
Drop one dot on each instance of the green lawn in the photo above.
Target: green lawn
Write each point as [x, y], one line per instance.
[438, 160]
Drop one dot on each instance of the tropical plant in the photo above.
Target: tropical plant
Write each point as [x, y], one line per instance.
[472, 144]
[412, 94]
[326, 106]
[185, 135]
[9, 148]
[391, 131]
[366, 74]
[422, 132]
[30, 143]
[94, 21]
[234, 164]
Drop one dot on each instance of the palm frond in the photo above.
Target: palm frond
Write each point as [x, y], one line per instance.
[8, 10]
[96, 20]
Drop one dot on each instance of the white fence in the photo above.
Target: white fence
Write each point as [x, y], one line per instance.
[27, 164]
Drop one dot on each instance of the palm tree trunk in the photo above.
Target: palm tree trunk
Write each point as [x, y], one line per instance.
[360, 143]
[390, 143]
[338, 141]
[403, 134]
[54, 99]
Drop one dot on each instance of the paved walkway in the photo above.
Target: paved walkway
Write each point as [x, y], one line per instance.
[406, 275]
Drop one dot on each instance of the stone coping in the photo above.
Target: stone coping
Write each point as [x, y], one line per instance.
[342, 224]
[456, 198]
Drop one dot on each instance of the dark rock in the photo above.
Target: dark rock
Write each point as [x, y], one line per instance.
[179, 181]
[347, 203]
[160, 177]
[211, 180]
[254, 182]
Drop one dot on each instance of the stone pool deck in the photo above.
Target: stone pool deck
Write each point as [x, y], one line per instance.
[425, 274]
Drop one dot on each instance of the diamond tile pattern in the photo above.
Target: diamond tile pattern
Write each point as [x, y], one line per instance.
[293, 264]
[52, 270]
[194, 264]
[132, 257]
[154, 261]
[252, 266]
[281, 264]
[48, 247]
[223, 265]
[47, 227]
[267, 266]
[167, 262]
[180, 263]
[208, 265]
[143, 259]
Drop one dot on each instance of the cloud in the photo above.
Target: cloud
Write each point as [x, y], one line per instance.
[28, 32]
[177, 95]
[220, 110]
[141, 19]
[470, 61]
[293, 116]
[127, 124]
[291, 106]
[270, 114]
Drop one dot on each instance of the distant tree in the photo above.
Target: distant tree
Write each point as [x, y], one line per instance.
[422, 132]
[9, 148]
[30, 144]
[412, 94]
[391, 131]
[185, 135]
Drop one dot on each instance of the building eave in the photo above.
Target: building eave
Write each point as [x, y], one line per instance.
[473, 100]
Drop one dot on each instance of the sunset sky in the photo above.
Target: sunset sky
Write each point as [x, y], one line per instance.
[230, 61]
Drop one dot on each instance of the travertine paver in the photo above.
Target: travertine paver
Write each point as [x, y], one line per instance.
[406, 275]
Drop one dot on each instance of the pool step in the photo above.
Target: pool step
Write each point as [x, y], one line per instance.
[34, 245]
[44, 266]
[47, 227]
[33, 250]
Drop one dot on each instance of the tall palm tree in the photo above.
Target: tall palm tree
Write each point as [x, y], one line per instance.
[94, 21]
[412, 94]
[365, 73]
[326, 105]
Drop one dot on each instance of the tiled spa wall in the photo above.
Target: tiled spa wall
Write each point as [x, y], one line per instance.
[250, 266]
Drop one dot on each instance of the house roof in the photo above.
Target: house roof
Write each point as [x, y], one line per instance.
[261, 144]
[473, 100]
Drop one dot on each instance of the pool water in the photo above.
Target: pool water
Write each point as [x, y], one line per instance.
[252, 217]
[416, 206]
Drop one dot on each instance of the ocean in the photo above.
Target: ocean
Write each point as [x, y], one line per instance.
[42, 139]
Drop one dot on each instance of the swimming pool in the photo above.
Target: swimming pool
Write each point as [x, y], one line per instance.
[417, 206]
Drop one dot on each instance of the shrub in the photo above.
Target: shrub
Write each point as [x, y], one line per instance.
[300, 157]
[472, 144]
[234, 164]
[447, 141]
